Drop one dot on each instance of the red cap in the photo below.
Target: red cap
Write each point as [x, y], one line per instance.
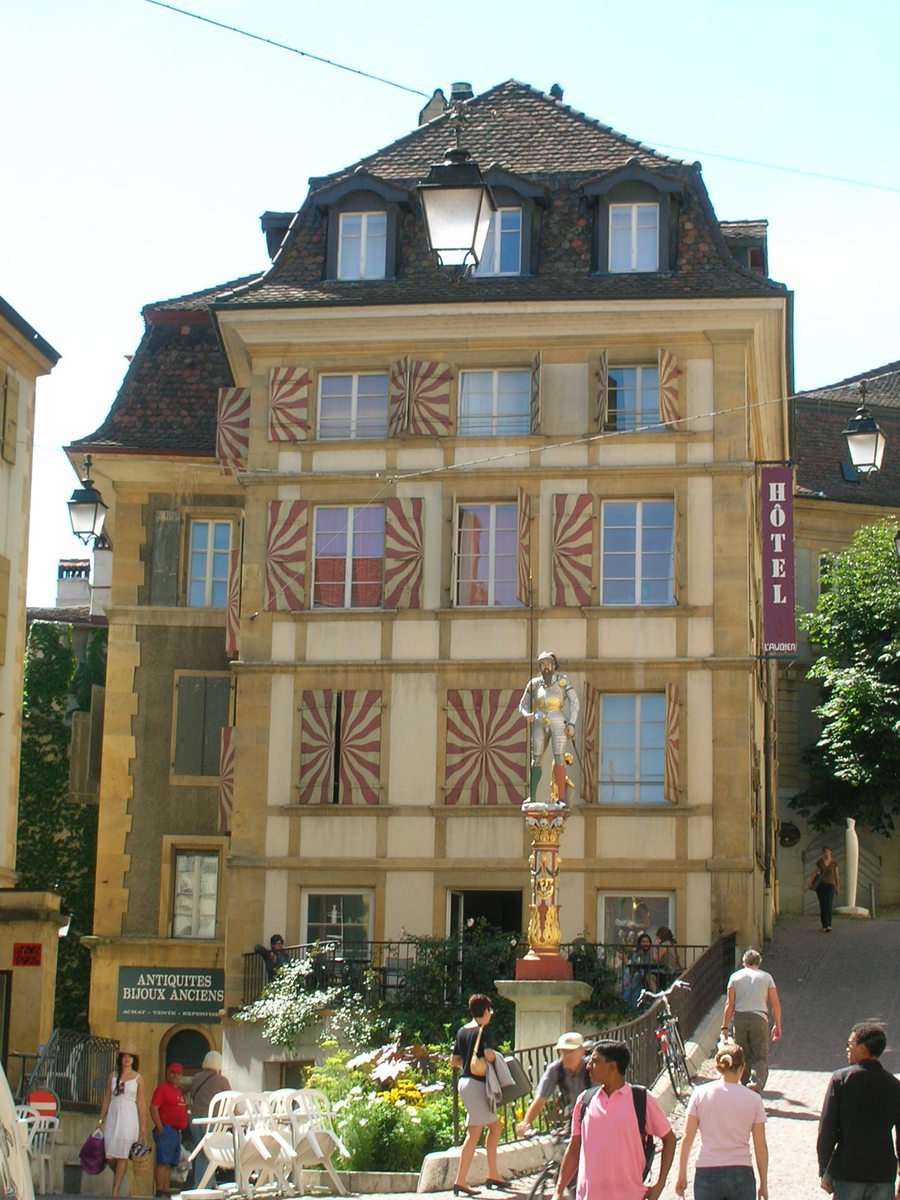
[175, 1067]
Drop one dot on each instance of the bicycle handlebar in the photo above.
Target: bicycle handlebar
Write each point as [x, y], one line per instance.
[677, 983]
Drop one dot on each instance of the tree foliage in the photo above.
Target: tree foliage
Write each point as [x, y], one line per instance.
[855, 766]
[57, 837]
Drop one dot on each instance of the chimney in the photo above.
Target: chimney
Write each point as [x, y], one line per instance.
[556, 92]
[460, 91]
[434, 108]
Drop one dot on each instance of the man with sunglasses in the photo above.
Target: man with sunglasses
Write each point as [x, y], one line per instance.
[606, 1147]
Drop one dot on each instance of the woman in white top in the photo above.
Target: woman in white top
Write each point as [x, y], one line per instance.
[728, 1115]
[123, 1115]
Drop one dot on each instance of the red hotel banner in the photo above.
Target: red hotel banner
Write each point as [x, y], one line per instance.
[777, 505]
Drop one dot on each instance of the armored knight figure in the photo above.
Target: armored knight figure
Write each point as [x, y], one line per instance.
[550, 705]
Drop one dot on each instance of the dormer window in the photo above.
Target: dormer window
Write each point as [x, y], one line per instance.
[633, 237]
[362, 213]
[503, 248]
[362, 245]
[636, 222]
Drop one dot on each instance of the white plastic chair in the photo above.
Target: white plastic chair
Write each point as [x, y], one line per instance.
[41, 1140]
[317, 1140]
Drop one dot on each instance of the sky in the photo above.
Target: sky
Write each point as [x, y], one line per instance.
[139, 148]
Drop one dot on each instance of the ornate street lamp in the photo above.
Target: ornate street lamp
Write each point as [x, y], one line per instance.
[865, 441]
[457, 204]
[87, 511]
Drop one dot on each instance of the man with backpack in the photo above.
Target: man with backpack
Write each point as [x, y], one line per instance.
[613, 1127]
[568, 1076]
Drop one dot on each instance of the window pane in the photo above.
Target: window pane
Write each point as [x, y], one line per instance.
[513, 403]
[375, 245]
[199, 535]
[623, 917]
[510, 241]
[195, 895]
[494, 403]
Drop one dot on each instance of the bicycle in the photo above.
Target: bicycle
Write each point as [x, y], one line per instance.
[669, 1040]
[545, 1184]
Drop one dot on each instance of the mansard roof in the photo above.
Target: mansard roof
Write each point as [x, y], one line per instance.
[168, 399]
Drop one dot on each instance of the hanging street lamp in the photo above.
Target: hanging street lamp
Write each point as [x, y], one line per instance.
[87, 511]
[457, 204]
[865, 441]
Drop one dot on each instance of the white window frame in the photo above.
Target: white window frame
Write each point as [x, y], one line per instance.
[630, 238]
[628, 930]
[352, 429]
[338, 939]
[639, 727]
[180, 851]
[344, 271]
[490, 425]
[639, 416]
[491, 583]
[209, 578]
[349, 530]
[491, 259]
[637, 579]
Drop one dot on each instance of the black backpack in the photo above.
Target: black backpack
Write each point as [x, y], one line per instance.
[639, 1096]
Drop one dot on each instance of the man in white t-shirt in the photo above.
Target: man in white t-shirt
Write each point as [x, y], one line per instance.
[751, 993]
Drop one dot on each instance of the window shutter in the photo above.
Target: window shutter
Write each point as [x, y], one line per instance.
[404, 553]
[286, 550]
[673, 744]
[601, 391]
[429, 398]
[360, 747]
[523, 552]
[669, 411]
[233, 429]
[536, 392]
[226, 780]
[573, 550]
[164, 558]
[590, 745]
[10, 406]
[486, 748]
[191, 701]
[233, 602]
[398, 398]
[317, 747]
[288, 404]
[4, 605]
[216, 714]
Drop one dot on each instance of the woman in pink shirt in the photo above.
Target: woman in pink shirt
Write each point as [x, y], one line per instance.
[728, 1115]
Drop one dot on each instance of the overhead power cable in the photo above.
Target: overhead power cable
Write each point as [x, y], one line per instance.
[753, 162]
[293, 49]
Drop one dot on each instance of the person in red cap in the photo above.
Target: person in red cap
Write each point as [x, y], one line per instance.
[169, 1114]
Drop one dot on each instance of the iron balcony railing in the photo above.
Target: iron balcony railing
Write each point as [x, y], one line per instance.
[376, 969]
[75, 1066]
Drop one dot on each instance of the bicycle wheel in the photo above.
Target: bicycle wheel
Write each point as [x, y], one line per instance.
[676, 1062]
[545, 1184]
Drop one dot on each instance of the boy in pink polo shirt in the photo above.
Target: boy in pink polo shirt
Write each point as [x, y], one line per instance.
[605, 1147]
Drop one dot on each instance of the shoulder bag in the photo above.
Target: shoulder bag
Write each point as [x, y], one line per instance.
[478, 1066]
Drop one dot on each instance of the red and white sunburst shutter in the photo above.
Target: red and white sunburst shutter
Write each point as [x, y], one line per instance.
[486, 748]
[316, 747]
[669, 408]
[287, 537]
[289, 404]
[572, 550]
[523, 552]
[233, 600]
[601, 391]
[226, 779]
[590, 744]
[428, 390]
[398, 398]
[536, 366]
[404, 552]
[673, 744]
[360, 747]
[233, 429]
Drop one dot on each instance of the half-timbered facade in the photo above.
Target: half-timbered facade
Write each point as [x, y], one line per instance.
[355, 495]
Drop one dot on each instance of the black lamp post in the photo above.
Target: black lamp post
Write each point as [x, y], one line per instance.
[457, 204]
[87, 511]
[865, 441]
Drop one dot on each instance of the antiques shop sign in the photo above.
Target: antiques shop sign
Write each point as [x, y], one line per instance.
[777, 512]
[162, 994]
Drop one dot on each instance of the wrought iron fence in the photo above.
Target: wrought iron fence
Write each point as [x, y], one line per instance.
[708, 976]
[376, 969]
[75, 1066]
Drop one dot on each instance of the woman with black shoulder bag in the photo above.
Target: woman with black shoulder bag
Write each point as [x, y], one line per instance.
[472, 1050]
